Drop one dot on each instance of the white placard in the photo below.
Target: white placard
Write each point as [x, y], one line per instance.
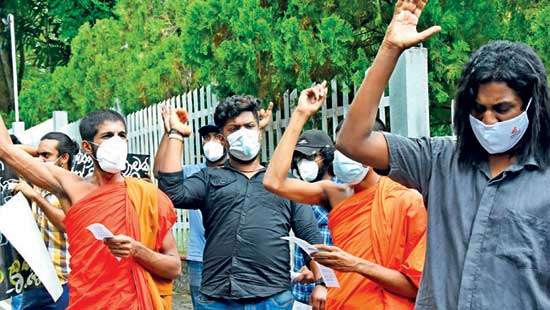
[18, 225]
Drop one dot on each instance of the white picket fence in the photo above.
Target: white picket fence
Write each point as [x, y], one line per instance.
[408, 88]
[145, 128]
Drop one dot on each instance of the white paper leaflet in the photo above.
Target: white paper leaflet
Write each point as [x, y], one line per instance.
[101, 233]
[328, 274]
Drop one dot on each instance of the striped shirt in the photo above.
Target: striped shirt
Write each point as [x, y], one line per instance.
[55, 240]
[301, 292]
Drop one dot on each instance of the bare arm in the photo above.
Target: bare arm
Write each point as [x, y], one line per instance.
[171, 159]
[276, 178]
[31, 150]
[163, 147]
[30, 168]
[55, 215]
[391, 280]
[160, 157]
[356, 138]
[318, 296]
[165, 264]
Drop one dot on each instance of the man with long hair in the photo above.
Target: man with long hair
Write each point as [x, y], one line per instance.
[55, 148]
[488, 221]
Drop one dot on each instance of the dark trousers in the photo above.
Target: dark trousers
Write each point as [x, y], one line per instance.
[39, 298]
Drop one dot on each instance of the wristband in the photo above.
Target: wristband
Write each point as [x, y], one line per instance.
[175, 131]
[176, 136]
[320, 281]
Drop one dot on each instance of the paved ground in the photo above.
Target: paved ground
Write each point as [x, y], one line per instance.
[182, 299]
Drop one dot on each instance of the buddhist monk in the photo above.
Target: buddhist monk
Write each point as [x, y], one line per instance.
[378, 227]
[135, 268]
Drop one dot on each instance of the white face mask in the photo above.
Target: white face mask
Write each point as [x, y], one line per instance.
[244, 144]
[213, 151]
[347, 170]
[502, 136]
[111, 154]
[308, 170]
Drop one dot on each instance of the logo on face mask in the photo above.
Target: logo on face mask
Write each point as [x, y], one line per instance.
[502, 136]
[111, 154]
[244, 144]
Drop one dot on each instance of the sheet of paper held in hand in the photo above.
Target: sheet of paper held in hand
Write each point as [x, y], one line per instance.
[328, 274]
[101, 233]
[17, 224]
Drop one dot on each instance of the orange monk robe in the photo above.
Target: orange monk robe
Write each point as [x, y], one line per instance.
[97, 280]
[386, 225]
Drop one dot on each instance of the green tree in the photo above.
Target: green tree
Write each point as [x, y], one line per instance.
[264, 48]
[133, 58]
[466, 25]
[43, 30]
[150, 50]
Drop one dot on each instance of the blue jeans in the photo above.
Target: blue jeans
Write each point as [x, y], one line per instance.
[16, 302]
[280, 301]
[194, 271]
[39, 298]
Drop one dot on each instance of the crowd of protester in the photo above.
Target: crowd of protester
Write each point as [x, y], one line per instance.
[425, 223]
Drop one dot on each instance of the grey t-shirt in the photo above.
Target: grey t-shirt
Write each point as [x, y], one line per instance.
[488, 239]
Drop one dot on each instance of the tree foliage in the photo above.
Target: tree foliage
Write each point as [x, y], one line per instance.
[133, 58]
[44, 30]
[151, 50]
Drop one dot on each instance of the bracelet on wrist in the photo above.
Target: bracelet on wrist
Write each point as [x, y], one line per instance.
[320, 281]
[176, 136]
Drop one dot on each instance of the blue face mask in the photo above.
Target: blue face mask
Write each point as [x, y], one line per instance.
[347, 170]
[244, 144]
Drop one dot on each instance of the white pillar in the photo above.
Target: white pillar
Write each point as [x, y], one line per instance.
[18, 128]
[11, 21]
[409, 101]
[60, 120]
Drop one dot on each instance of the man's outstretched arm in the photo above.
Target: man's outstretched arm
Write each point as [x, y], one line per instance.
[276, 178]
[32, 169]
[356, 139]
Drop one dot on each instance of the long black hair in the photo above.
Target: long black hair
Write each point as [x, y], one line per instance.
[519, 66]
[65, 145]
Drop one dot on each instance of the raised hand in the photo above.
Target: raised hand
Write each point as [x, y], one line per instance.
[266, 116]
[311, 99]
[165, 111]
[178, 121]
[401, 32]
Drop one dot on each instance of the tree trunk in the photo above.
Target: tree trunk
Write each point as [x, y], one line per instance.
[6, 82]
